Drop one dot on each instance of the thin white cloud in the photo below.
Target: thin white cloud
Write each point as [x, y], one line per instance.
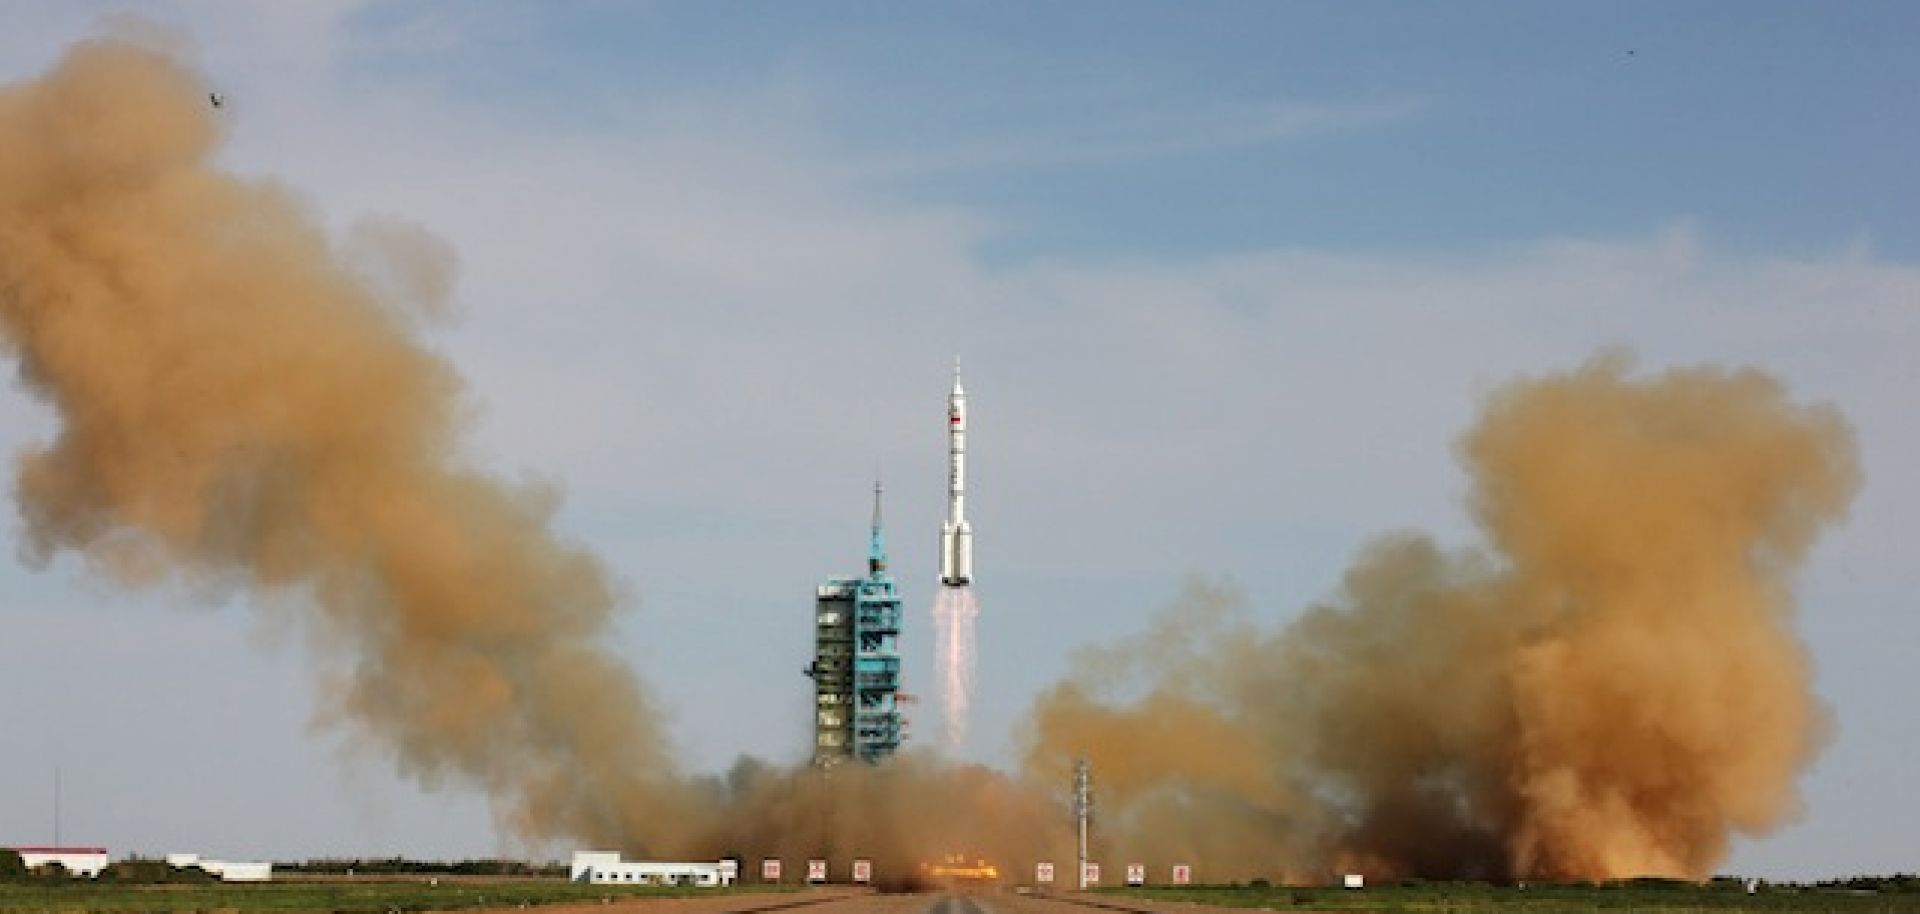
[1132, 129]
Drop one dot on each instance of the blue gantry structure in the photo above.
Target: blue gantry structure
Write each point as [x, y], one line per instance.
[856, 661]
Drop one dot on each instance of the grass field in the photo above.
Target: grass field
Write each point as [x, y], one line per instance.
[343, 897]
[1552, 899]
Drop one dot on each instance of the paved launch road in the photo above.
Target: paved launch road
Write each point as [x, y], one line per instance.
[955, 904]
[973, 903]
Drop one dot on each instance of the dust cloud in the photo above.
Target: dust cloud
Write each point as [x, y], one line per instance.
[244, 404]
[915, 809]
[1610, 686]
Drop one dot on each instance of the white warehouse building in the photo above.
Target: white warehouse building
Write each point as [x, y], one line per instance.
[77, 861]
[606, 868]
[227, 870]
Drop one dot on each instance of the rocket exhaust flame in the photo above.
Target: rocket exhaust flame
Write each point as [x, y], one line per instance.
[1610, 686]
[954, 610]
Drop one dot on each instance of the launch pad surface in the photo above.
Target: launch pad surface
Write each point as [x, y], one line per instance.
[1672, 897]
[1465, 897]
[848, 901]
[505, 896]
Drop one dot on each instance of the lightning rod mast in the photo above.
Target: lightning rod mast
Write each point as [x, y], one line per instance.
[1082, 810]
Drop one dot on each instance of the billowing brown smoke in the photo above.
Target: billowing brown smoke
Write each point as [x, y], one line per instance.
[241, 406]
[1613, 687]
[246, 404]
[911, 811]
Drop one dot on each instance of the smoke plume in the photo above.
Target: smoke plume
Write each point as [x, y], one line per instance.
[915, 809]
[1611, 687]
[242, 405]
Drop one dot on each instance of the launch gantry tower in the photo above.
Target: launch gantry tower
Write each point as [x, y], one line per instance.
[856, 663]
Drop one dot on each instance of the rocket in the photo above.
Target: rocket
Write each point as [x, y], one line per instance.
[956, 535]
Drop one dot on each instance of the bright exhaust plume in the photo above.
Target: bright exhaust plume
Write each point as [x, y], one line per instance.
[954, 612]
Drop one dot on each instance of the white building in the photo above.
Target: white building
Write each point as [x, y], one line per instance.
[78, 861]
[227, 870]
[606, 868]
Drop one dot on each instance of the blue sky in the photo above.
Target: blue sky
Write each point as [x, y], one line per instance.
[1228, 279]
[1489, 121]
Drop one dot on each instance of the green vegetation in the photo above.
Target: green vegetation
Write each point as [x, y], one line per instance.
[385, 866]
[310, 896]
[148, 871]
[1899, 894]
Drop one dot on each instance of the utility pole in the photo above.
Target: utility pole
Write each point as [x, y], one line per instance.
[56, 806]
[1082, 810]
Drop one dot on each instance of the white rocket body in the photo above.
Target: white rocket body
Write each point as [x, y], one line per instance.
[956, 535]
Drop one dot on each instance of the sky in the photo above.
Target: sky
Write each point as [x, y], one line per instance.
[1227, 279]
